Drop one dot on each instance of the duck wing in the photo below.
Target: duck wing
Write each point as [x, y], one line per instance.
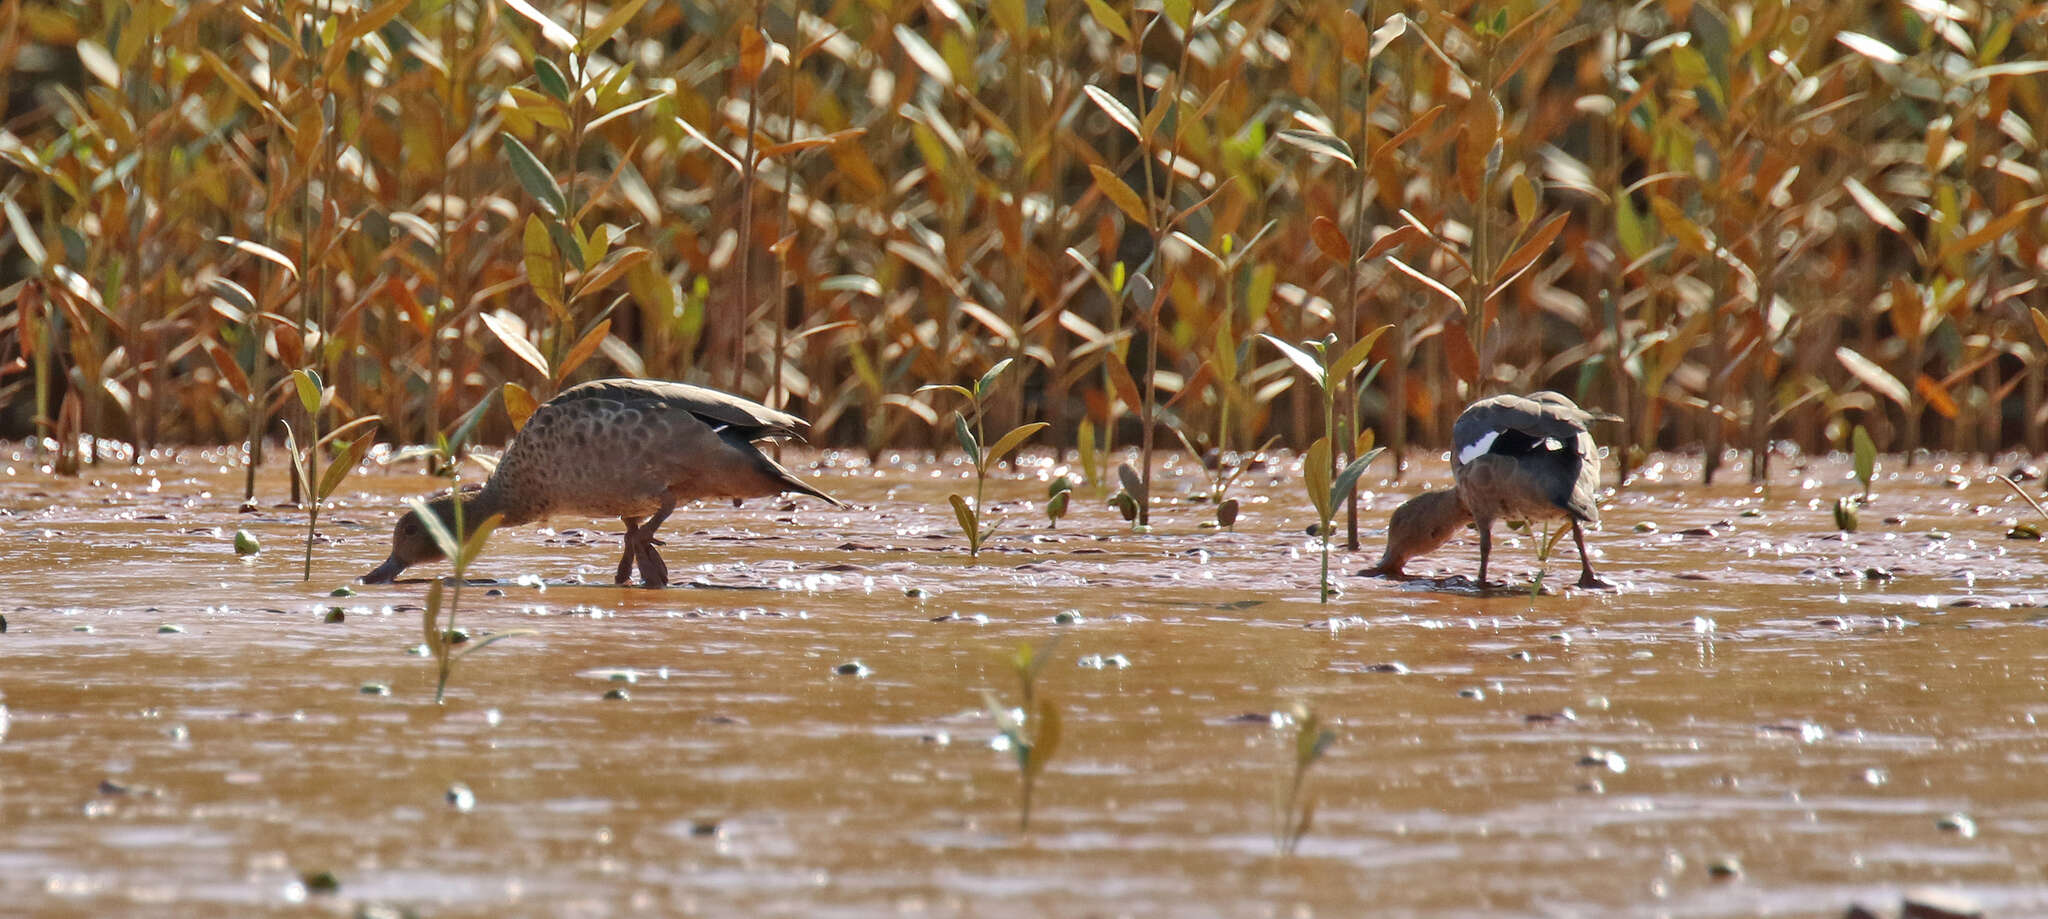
[1544, 439]
[731, 416]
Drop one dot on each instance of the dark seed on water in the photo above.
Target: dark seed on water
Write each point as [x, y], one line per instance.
[616, 695]
[320, 882]
[852, 668]
[461, 798]
[343, 591]
[1724, 868]
[375, 689]
[336, 615]
[1958, 823]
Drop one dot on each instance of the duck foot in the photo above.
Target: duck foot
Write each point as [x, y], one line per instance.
[1385, 573]
[1591, 581]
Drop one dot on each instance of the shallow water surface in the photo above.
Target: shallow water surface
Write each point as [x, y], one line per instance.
[185, 733]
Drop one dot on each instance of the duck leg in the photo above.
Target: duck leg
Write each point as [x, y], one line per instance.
[1587, 578]
[631, 550]
[1485, 548]
[654, 571]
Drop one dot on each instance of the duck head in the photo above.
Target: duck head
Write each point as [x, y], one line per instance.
[1418, 526]
[411, 543]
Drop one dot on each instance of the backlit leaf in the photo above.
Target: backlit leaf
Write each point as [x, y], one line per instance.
[1330, 239]
[519, 404]
[1873, 207]
[582, 349]
[1866, 455]
[1937, 396]
[1120, 195]
[1115, 109]
[263, 252]
[549, 28]
[1315, 473]
[1320, 144]
[1109, 19]
[1870, 47]
[1011, 440]
[1300, 358]
[515, 342]
[1873, 376]
[543, 268]
[308, 384]
[964, 515]
[924, 55]
[610, 24]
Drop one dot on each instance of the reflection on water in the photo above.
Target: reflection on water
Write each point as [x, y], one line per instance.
[1843, 717]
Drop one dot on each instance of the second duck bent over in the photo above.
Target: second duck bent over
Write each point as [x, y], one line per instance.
[1514, 458]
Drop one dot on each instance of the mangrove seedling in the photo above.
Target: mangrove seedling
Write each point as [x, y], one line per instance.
[1327, 494]
[1133, 498]
[2024, 530]
[1306, 741]
[1866, 460]
[1845, 515]
[1331, 375]
[306, 462]
[461, 547]
[1222, 475]
[1030, 729]
[1545, 545]
[1057, 494]
[972, 437]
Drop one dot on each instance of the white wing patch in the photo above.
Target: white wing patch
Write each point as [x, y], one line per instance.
[1477, 448]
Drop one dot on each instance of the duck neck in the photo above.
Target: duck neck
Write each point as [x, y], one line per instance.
[493, 498]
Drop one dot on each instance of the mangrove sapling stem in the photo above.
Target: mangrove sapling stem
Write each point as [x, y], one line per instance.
[2015, 486]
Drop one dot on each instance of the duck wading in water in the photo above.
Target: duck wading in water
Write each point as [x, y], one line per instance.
[1513, 458]
[632, 449]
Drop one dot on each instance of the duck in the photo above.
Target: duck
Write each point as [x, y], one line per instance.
[628, 448]
[1527, 458]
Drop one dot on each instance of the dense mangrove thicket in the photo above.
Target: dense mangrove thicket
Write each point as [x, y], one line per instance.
[1729, 223]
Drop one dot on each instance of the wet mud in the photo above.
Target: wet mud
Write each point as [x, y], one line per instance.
[1767, 717]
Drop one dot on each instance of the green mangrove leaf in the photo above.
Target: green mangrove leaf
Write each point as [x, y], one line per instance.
[534, 176]
[1010, 441]
[1866, 456]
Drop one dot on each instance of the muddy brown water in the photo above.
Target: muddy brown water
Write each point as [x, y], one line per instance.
[1843, 718]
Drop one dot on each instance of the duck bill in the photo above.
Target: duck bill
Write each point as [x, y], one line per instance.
[382, 574]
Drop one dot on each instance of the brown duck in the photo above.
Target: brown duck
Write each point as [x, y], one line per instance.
[1514, 458]
[633, 449]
